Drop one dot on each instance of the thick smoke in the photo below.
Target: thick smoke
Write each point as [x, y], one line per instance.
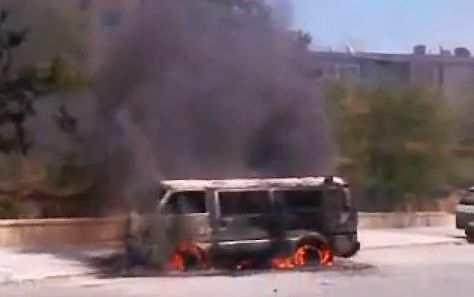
[198, 89]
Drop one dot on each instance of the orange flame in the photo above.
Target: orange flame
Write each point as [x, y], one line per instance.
[282, 263]
[187, 256]
[301, 255]
[179, 259]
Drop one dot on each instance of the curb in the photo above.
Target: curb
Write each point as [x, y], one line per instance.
[393, 246]
[18, 281]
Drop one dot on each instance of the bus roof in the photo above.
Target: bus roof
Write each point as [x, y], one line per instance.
[192, 184]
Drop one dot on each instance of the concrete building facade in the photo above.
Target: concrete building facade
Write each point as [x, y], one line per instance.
[453, 75]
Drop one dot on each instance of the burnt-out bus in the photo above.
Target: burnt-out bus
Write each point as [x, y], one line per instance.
[280, 218]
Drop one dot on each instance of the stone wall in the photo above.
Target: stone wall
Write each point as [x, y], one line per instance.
[404, 220]
[60, 232]
[91, 231]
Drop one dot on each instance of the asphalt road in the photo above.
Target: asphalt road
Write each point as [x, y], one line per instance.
[431, 270]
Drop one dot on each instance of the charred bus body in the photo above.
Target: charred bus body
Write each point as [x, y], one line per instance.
[267, 217]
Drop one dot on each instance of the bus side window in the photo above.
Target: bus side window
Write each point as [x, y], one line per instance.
[189, 202]
[244, 202]
[300, 200]
[336, 199]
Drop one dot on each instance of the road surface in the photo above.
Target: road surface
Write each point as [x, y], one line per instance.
[423, 270]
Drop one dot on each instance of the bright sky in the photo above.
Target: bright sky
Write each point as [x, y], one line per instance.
[387, 25]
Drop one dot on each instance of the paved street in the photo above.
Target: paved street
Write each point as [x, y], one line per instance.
[34, 265]
[443, 269]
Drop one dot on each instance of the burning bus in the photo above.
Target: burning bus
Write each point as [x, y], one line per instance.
[250, 223]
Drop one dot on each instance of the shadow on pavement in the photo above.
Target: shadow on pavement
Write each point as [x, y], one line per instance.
[112, 267]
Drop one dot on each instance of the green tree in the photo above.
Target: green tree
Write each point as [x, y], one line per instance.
[21, 86]
[395, 141]
[60, 29]
[465, 135]
[466, 122]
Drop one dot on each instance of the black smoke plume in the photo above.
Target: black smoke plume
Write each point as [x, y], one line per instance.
[208, 89]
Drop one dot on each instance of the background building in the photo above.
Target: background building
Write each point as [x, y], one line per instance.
[453, 74]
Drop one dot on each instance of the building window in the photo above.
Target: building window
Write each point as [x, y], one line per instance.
[110, 19]
[348, 71]
[328, 70]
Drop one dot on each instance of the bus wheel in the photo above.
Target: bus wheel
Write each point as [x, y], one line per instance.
[187, 257]
[469, 235]
[312, 251]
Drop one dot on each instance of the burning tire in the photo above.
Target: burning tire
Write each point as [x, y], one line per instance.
[188, 257]
[312, 251]
[309, 251]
